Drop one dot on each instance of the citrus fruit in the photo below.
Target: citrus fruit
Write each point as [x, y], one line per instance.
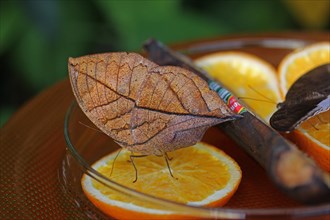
[203, 175]
[238, 71]
[312, 136]
[248, 77]
[300, 61]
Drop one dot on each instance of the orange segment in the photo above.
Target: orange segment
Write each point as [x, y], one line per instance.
[239, 72]
[203, 176]
[312, 136]
[318, 127]
[301, 61]
[250, 78]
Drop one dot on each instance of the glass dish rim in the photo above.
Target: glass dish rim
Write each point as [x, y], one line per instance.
[240, 213]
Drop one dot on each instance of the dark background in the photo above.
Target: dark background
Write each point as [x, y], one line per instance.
[37, 36]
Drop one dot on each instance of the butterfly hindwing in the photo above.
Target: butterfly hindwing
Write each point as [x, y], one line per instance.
[308, 96]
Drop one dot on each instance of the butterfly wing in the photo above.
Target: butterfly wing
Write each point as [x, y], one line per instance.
[145, 108]
[308, 96]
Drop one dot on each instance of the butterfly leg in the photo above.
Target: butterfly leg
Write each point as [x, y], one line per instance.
[132, 161]
[166, 155]
[90, 127]
[314, 126]
[321, 120]
[168, 165]
[114, 160]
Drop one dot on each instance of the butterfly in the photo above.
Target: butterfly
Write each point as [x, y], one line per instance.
[308, 96]
[145, 108]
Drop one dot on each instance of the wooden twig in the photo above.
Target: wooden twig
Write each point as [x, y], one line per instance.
[289, 168]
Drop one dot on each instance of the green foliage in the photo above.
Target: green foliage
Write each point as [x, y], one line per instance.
[137, 21]
[38, 36]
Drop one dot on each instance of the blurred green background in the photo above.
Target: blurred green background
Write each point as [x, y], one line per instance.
[37, 36]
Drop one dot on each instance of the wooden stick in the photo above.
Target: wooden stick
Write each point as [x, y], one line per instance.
[289, 168]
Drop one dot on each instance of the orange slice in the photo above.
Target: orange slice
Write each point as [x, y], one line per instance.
[299, 62]
[312, 136]
[248, 77]
[203, 176]
[239, 71]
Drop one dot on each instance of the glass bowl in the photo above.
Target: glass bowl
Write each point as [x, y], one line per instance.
[256, 196]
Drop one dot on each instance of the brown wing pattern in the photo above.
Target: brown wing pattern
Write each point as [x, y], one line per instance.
[146, 108]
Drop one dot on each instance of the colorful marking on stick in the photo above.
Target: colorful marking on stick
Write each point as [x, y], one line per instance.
[227, 97]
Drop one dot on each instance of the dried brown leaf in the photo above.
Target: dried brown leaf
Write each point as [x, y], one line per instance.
[145, 108]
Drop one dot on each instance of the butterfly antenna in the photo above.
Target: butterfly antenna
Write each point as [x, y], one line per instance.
[114, 160]
[259, 100]
[267, 99]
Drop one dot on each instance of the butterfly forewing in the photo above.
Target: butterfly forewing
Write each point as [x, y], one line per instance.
[308, 96]
[144, 107]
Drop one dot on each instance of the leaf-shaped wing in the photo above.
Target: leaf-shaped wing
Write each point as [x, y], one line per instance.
[144, 107]
[308, 96]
